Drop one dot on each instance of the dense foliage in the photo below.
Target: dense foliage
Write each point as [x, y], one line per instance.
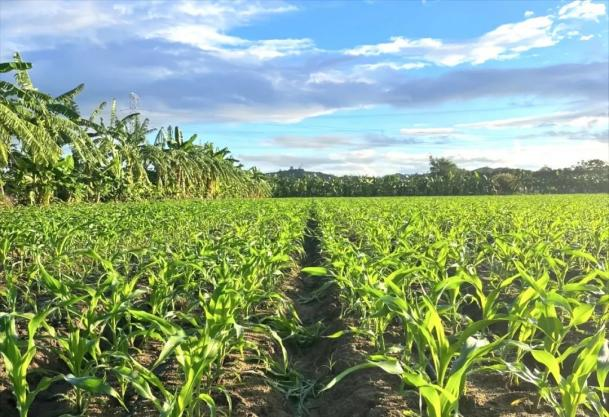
[49, 152]
[445, 178]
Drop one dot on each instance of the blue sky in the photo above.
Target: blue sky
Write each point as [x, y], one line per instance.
[344, 87]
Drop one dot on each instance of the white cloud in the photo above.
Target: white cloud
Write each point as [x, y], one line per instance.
[226, 14]
[203, 25]
[396, 44]
[392, 66]
[592, 120]
[506, 41]
[231, 47]
[362, 73]
[203, 37]
[28, 25]
[586, 37]
[200, 24]
[288, 113]
[275, 48]
[337, 77]
[582, 9]
[561, 153]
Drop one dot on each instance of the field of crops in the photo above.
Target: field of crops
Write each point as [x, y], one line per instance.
[478, 306]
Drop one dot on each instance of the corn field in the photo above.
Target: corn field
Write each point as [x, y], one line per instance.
[431, 307]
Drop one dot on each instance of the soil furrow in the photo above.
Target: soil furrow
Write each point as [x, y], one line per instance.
[314, 358]
[366, 393]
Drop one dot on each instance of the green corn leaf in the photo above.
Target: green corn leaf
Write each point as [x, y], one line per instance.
[94, 385]
[211, 404]
[581, 314]
[602, 365]
[345, 373]
[139, 383]
[387, 364]
[170, 344]
[315, 271]
[550, 362]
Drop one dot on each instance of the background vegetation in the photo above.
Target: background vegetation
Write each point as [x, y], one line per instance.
[446, 178]
[50, 152]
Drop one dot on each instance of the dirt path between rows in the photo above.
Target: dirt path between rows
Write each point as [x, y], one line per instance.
[366, 393]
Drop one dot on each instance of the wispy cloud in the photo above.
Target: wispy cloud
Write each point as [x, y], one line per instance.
[579, 119]
[428, 131]
[353, 142]
[309, 142]
[506, 41]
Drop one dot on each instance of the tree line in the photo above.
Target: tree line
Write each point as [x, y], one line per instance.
[50, 152]
[446, 178]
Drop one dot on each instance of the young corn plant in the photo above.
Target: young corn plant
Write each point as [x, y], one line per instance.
[443, 363]
[569, 393]
[17, 358]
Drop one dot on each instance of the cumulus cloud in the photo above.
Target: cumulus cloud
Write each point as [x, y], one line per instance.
[177, 82]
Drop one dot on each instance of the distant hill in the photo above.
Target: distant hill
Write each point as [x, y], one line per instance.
[493, 171]
[294, 173]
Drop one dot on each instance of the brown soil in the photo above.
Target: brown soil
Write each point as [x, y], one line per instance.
[248, 385]
[492, 396]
